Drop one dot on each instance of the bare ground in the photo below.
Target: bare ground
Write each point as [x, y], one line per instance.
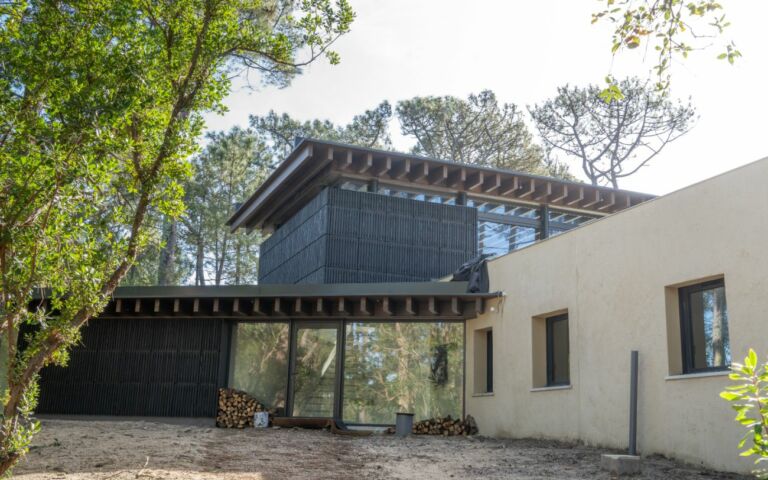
[119, 450]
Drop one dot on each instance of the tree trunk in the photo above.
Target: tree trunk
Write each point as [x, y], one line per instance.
[165, 269]
[199, 263]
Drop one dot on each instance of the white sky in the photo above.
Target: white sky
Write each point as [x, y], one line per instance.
[398, 49]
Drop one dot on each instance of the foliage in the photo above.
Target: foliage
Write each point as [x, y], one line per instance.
[280, 131]
[475, 131]
[616, 139]
[674, 28]
[101, 102]
[232, 166]
[750, 400]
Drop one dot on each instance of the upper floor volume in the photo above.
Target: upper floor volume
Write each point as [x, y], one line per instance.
[344, 214]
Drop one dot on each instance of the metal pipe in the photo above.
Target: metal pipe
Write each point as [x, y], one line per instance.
[633, 404]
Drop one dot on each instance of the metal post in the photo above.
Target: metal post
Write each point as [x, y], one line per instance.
[633, 404]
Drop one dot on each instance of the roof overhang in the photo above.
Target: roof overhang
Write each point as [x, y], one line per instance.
[390, 301]
[314, 164]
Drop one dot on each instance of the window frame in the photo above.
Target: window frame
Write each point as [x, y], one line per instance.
[550, 354]
[489, 361]
[686, 327]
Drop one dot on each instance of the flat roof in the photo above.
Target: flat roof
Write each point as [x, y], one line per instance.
[312, 164]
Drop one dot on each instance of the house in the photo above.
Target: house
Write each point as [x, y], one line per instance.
[356, 317]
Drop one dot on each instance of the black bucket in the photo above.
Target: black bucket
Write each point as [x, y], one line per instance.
[403, 424]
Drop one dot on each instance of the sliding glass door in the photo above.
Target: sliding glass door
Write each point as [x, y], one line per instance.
[314, 383]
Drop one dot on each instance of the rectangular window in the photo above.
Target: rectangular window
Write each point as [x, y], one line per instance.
[704, 327]
[392, 367]
[259, 362]
[499, 238]
[483, 361]
[489, 361]
[558, 369]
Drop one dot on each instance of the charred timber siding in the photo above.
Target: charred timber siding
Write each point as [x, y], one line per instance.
[344, 236]
[143, 367]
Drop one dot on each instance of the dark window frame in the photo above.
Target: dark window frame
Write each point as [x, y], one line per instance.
[686, 330]
[550, 321]
[489, 361]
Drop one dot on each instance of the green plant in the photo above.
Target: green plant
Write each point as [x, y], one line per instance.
[750, 400]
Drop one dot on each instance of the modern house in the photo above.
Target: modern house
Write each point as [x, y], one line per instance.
[356, 317]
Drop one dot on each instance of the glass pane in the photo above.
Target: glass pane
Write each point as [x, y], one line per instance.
[559, 373]
[569, 218]
[415, 195]
[260, 361]
[356, 185]
[500, 238]
[402, 367]
[511, 209]
[315, 376]
[710, 345]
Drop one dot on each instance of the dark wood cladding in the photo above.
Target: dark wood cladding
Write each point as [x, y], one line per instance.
[344, 236]
[139, 367]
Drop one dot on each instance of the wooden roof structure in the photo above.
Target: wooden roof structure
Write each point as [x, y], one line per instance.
[313, 164]
[433, 301]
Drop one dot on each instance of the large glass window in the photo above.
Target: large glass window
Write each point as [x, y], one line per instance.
[259, 363]
[558, 352]
[416, 195]
[499, 238]
[704, 318]
[561, 221]
[402, 367]
[508, 209]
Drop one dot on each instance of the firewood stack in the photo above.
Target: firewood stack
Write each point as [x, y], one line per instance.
[236, 409]
[446, 426]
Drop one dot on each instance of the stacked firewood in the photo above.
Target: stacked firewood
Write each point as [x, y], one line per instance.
[446, 426]
[236, 409]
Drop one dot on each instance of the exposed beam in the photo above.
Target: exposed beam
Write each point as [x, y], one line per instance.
[457, 178]
[611, 201]
[156, 308]
[474, 180]
[386, 308]
[438, 175]
[509, 185]
[346, 161]
[381, 166]
[257, 307]
[594, 201]
[401, 169]
[278, 307]
[492, 183]
[320, 307]
[342, 306]
[432, 306]
[408, 307]
[215, 305]
[576, 196]
[366, 163]
[455, 306]
[365, 306]
[196, 305]
[543, 192]
[176, 305]
[560, 196]
[236, 307]
[527, 189]
[119, 306]
[419, 172]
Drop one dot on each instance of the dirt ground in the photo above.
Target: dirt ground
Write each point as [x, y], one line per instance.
[118, 450]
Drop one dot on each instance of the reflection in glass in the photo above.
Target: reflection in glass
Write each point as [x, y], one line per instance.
[710, 343]
[402, 367]
[260, 361]
[500, 238]
[315, 372]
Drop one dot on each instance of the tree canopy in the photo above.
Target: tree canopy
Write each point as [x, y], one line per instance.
[101, 103]
[475, 131]
[612, 140]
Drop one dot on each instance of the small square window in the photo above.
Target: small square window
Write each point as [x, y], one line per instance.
[704, 327]
[558, 368]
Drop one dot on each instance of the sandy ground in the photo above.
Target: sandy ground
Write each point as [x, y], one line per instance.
[99, 449]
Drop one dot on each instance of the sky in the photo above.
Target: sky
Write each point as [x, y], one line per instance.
[523, 51]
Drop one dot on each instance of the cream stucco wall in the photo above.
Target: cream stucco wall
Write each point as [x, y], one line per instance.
[616, 278]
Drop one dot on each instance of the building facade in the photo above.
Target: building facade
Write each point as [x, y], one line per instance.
[356, 318]
[681, 279]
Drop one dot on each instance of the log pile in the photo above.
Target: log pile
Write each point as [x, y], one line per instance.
[446, 426]
[236, 409]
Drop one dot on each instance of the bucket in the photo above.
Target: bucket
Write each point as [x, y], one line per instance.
[403, 424]
[261, 419]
